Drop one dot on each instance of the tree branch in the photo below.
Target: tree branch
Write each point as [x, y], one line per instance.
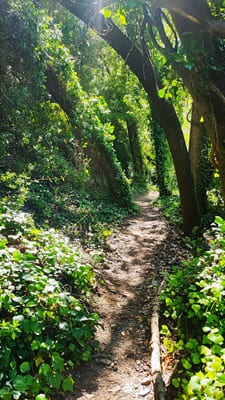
[159, 15]
[197, 12]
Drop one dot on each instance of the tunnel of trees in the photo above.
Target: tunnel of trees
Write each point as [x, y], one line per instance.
[100, 99]
[168, 52]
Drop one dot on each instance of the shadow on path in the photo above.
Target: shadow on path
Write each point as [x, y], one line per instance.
[140, 252]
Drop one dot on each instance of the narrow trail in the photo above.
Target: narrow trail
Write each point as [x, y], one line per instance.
[140, 250]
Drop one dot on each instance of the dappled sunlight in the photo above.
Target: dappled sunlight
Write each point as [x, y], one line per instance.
[124, 302]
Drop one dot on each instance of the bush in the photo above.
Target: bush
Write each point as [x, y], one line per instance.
[46, 327]
[194, 297]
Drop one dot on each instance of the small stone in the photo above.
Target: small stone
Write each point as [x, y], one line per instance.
[104, 361]
[144, 392]
[138, 362]
[115, 389]
[146, 381]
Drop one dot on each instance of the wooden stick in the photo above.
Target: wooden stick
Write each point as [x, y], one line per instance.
[158, 382]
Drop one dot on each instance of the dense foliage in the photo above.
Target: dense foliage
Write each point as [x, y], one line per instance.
[50, 161]
[194, 299]
[81, 130]
[46, 326]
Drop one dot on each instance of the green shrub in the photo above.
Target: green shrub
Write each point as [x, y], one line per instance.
[45, 328]
[194, 298]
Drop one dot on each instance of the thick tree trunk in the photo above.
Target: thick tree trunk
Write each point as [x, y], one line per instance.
[143, 69]
[206, 85]
[96, 150]
[198, 150]
[161, 153]
[195, 11]
[121, 146]
[135, 147]
[219, 145]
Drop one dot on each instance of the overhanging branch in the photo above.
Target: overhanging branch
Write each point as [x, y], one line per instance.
[196, 12]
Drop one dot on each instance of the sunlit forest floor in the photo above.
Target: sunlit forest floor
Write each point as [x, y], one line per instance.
[133, 267]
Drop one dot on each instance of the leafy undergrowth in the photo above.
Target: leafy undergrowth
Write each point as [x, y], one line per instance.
[194, 299]
[46, 325]
[170, 206]
[80, 214]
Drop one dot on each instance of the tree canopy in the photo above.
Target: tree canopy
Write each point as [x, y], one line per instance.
[188, 34]
[98, 100]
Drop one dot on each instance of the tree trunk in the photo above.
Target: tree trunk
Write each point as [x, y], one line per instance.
[196, 12]
[135, 147]
[219, 146]
[200, 165]
[161, 152]
[121, 146]
[206, 85]
[143, 69]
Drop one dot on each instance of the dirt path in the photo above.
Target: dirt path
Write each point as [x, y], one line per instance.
[142, 248]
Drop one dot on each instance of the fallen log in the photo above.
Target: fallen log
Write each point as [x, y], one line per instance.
[158, 382]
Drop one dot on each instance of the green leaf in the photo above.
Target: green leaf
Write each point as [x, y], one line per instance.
[58, 363]
[195, 357]
[22, 383]
[41, 396]
[107, 13]
[186, 364]
[215, 337]
[35, 345]
[165, 330]
[67, 384]
[24, 367]
[31, 304]
[45, 370]
[13, 364]
[221, 378]
[55, 380]
[192, 344]
[86, 355]
[5, 393]
[123, 20]
[78, 333]
[3, 243]
[196, 308]
[176, 382]
[29, 256]
[161, 93]
[194, 385]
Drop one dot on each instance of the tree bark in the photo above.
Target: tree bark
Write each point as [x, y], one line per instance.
[196, 12]
[135, 147]
[121, 146]
[198, 150]
[143, 69]
[206, 86]
[161, 154]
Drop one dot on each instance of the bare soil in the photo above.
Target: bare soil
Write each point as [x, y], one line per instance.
[132, 270]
